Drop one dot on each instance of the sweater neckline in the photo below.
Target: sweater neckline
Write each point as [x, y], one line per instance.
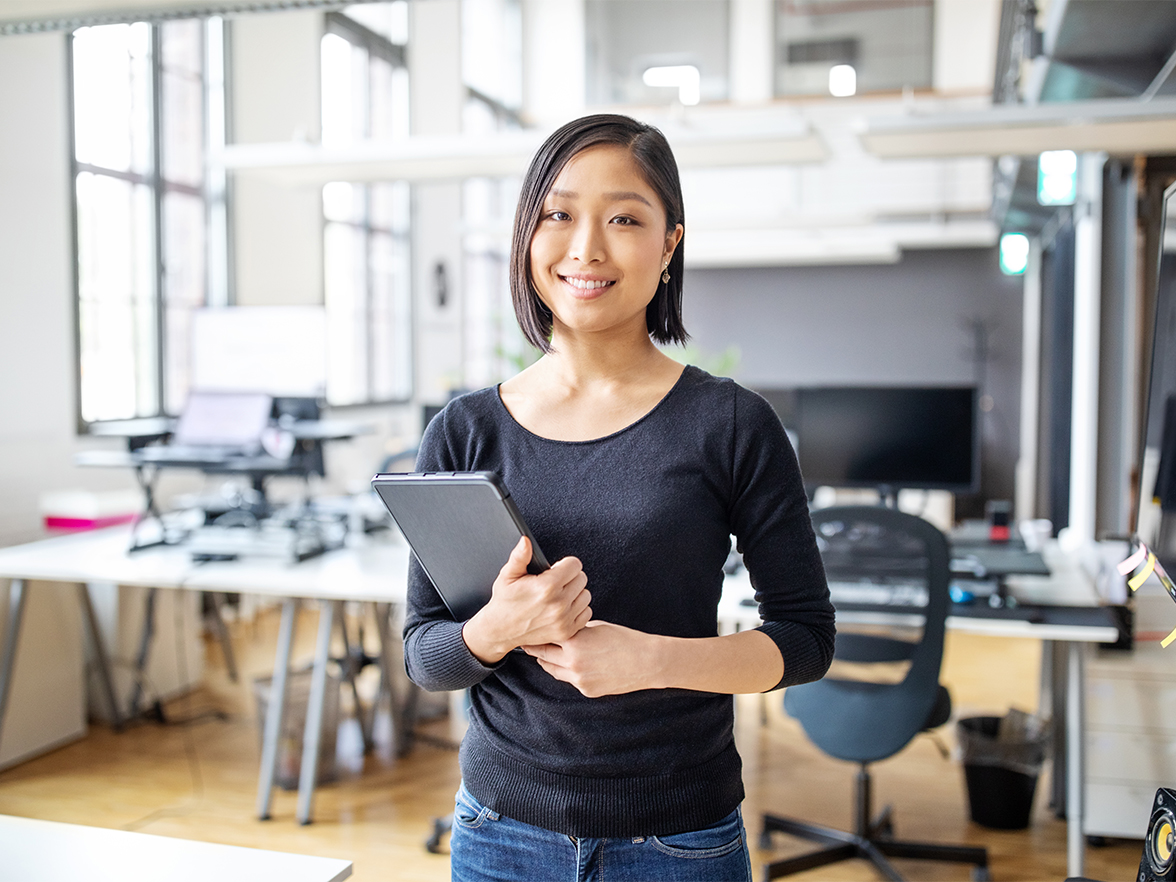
[688, 369]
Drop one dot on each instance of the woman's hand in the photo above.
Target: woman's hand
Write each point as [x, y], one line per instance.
[603, 659]
[525, 609]
[608, 659]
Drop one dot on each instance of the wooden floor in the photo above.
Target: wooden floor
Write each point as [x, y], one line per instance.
[195, 777]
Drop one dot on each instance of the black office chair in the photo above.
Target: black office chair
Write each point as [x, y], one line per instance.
[896, 565]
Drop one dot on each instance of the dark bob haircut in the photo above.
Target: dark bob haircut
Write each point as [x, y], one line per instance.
[655, 161]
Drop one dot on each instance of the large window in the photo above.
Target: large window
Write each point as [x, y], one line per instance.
[367, 246]
[144, 200]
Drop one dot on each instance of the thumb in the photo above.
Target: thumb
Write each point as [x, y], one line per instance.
[520, 557]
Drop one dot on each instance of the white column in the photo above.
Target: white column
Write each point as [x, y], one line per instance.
[1087, 296]
[1026, 475]
[554, 61]
[276, 96]
[751, 51]
[438, 95]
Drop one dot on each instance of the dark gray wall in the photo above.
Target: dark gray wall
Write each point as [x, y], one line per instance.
[935, 317]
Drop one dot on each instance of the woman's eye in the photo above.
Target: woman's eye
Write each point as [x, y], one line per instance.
[624, 221]
[557, 215]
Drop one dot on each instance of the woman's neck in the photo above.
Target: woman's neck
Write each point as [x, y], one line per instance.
[575, 363]
[578, 393]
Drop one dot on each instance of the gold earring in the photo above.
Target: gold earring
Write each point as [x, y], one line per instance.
[666, 273]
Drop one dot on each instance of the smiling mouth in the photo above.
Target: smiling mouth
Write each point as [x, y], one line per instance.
[587, 284]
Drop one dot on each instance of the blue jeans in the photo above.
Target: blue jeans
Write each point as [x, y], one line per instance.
[488, 847]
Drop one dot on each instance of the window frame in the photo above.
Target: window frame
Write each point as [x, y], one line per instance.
[213, 198]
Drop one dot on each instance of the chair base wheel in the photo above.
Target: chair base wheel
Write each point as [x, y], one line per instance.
[441, 826]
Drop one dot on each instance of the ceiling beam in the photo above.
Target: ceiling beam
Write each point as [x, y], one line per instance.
[1118, 127]
[506, 153]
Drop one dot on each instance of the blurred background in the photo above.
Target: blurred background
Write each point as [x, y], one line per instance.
[284, 225]
[849, 168]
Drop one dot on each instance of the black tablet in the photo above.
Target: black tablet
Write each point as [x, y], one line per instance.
[462, 527]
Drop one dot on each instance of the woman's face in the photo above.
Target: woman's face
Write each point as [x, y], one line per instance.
[598, 252]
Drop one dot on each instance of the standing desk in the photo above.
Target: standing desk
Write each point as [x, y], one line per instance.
[1062, 608]
[47, 851]
[375, 572]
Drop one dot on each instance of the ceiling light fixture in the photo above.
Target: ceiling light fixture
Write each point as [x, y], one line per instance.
[842, 80]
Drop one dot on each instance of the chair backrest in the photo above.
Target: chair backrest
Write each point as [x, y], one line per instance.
[888, 574]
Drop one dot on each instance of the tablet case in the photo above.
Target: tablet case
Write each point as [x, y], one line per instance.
[462, 527]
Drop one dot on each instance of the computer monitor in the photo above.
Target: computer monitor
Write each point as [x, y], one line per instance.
[889, 437]
[223, 419]
[1157, 489]
[281, 350]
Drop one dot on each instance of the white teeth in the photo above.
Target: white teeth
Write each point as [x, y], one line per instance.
[585, 283]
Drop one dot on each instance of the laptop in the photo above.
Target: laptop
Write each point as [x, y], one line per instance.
[215, 426]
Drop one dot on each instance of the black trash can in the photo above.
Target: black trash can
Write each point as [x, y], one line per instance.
[1002, 759]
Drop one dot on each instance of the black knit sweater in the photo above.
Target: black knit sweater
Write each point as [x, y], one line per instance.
[649, 510]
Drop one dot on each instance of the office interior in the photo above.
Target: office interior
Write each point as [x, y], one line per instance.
[838, 235]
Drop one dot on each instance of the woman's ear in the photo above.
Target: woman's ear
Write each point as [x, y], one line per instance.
[673, 237]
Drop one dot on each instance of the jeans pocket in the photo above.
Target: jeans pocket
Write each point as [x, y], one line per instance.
[468, 812]
[710, 842]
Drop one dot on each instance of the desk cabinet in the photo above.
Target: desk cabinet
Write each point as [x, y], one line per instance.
[47, 705]
[1130, 737]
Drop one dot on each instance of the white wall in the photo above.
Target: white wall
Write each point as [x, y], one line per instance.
[277, 255]
[36, 310]
[902, 324]
[38, 382]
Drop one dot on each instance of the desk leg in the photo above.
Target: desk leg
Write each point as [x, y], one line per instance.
[403, 707]
[312, 734]
[353, 662]
[16, 605]
[276, 710]
[1056, 654]
[146, 638]
[1075, 759]
[100, 656]
[217, 601]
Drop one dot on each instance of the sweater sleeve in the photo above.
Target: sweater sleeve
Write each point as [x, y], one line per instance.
[770, 519]
[436, 657]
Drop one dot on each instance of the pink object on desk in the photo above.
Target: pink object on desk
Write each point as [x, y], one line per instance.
[58, 523]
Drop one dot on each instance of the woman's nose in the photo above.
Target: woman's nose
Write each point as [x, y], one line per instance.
[587, 244]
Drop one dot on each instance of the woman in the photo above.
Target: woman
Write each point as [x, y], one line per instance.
[606, 745]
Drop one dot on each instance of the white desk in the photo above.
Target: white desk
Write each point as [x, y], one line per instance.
[1062, 608]
[375, 572]
[46, 851]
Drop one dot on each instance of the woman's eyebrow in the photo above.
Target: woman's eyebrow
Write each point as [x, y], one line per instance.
[616, 196]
